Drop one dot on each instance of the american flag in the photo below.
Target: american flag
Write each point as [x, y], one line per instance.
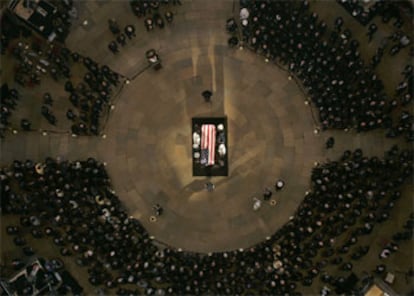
[208, 141]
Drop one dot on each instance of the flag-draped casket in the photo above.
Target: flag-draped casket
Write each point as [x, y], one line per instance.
[208, 144]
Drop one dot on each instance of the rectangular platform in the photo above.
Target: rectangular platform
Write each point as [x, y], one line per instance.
[209, 146]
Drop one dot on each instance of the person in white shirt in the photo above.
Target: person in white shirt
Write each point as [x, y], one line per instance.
[222, 150]
[257, 203]
[244, 13]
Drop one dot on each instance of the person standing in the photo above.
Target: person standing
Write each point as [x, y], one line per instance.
[47, 99]
[257, 203]
[371, 31]
[113, 26]
[113, 47]
[338, 23]
[158, 209]
[169, 16]
[25, 124]
[121, 39]
[279, 184]
[330, 143]
[130, 31]
[267, 194]
[210, 186]
[207, 94]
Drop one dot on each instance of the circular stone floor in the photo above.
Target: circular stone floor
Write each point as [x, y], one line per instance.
[148, 135]
[270, 131]
[148, 145]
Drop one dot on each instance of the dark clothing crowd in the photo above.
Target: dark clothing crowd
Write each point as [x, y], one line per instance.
[73, 205]
[120, 37]
[8, 102]
[151, 10]
[344, 89]
[35, 59]
[91, 97]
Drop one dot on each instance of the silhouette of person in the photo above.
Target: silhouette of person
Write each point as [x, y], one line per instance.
[207, 95]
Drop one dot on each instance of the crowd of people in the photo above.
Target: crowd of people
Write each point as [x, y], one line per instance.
[35, 60]
[58, 21]
[365, 12]
[151, 11]
[142, 8]
[37, 275]
[72, 203]
[8, 102]
[90, 98]
[120, 37]
[346, 91]
[403, 97]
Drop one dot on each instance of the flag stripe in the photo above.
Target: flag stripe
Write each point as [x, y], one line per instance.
[208, 141]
